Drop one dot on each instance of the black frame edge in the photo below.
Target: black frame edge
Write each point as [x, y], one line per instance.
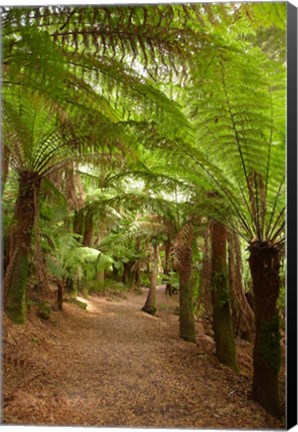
[291, 391]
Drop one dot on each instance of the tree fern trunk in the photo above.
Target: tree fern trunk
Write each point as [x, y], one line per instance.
[186, 317]
[222, 321]
[137, 275]
[149, 306]
[183, 257]
[242, 314]
[264, 262]
[204, 297]
[15, 281]
[167, 266]
[70, 186]
[128, 276]
[79, 222]
[87, 241]
[40, 264]
[81, 197]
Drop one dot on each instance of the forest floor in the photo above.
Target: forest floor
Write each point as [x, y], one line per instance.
[113, 365]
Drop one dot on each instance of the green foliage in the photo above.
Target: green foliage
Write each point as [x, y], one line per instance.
[172, 278]
[176, 114]
[16, 297]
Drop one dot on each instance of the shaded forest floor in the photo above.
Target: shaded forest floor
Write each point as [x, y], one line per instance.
[113, 365]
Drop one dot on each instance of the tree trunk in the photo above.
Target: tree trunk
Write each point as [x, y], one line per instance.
[242, 314]
[222, 321]
[149, 306]
[87, 241]
[15, 280]
[81, 197]
[204, 298]
[138, 278]
[183, 257]
[137, 269]
[264, 262]
[70, 187]
[40, 264]
[78, 222]
[167, 267]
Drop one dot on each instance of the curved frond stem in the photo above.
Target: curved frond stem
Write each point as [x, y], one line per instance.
[258, 227]
[280, 216]
[277, 196]
[269, 145]
[221, 187]
[39, 160]
[237, 140]
[278, 231]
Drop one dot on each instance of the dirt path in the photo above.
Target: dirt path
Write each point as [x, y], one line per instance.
[114, 365]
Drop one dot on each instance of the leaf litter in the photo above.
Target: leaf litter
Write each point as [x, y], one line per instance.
[113, 365]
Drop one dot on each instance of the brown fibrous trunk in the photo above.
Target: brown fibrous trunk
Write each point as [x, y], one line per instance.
[15, 280]
[242, 314]
[149, 306]
[167, 266]
[222, 321]
[264, 262]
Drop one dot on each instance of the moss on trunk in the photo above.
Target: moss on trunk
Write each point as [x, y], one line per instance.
[264, 264]
[149, 306]
[186, 317]
[15, 281]
[242, 314]
[167, 266]
[79, 222]
[16, 295]
[87, 241]
[183, 257]
[222, 321]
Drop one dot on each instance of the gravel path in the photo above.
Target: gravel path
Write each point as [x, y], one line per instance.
[113, 365]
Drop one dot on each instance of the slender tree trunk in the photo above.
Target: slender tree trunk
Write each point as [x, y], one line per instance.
[242, 314]
[183, 254]
[15, 280]
[167, 266]
[149, 306]
[264, 262]
[222, 321]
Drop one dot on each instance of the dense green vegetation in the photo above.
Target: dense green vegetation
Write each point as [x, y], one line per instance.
[130, 135]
